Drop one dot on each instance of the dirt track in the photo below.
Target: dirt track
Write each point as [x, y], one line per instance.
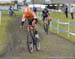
[52, 46]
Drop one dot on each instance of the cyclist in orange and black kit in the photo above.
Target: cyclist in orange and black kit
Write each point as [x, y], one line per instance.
[29, 15]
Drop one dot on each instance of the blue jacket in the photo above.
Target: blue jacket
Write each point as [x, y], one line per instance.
[34, 9]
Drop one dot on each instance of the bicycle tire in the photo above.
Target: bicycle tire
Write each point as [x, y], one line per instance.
[37, 42]
[46, 28]
[29, 42]
[37, 46]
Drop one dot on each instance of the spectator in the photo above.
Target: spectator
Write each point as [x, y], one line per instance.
[72, 11]
[66, 10]
[34, 9]
[11, 10]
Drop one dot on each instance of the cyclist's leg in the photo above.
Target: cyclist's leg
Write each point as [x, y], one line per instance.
[44, 19]
[31, 31]
[37, 38]
[35, 30]
[48, 20]
[34, 23]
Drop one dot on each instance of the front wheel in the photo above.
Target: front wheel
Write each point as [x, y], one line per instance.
[30, 47]
[37, 45]
[29, 43]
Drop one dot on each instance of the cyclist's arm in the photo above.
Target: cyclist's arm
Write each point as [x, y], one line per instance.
[22, 23]
[23, 19]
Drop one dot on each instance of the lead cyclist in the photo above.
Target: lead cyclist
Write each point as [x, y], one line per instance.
[29, 15]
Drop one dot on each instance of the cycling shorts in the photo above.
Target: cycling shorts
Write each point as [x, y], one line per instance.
[30, 21]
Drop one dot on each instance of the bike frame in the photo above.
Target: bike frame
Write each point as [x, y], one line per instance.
[30, 41]
[33, 39]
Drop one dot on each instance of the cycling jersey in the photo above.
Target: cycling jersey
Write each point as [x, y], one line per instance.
[28, 14]
[34, 9]
[45, 13]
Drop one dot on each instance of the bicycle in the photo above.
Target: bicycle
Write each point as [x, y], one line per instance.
[32, 39]
[12, 13]
[46, 24]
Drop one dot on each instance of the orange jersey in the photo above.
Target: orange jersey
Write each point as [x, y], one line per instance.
[28, 14]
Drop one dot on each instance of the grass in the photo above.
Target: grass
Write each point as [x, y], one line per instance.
[62, 18]
[3, 34]
[5, 19]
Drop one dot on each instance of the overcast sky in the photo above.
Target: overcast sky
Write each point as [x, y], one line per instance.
[10, 0]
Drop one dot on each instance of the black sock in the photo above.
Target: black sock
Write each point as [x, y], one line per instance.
[22, 23]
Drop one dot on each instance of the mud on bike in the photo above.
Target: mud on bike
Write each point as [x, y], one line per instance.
[33, 40]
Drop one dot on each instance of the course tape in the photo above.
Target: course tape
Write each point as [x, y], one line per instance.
[63, 23]
[61, 30]
[72, 33]
[72, 25]
[53, 27]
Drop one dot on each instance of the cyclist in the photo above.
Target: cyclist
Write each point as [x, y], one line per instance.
[11, 10]
[45, 14]
[46, 19]
[29, 15]
[34, 9]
